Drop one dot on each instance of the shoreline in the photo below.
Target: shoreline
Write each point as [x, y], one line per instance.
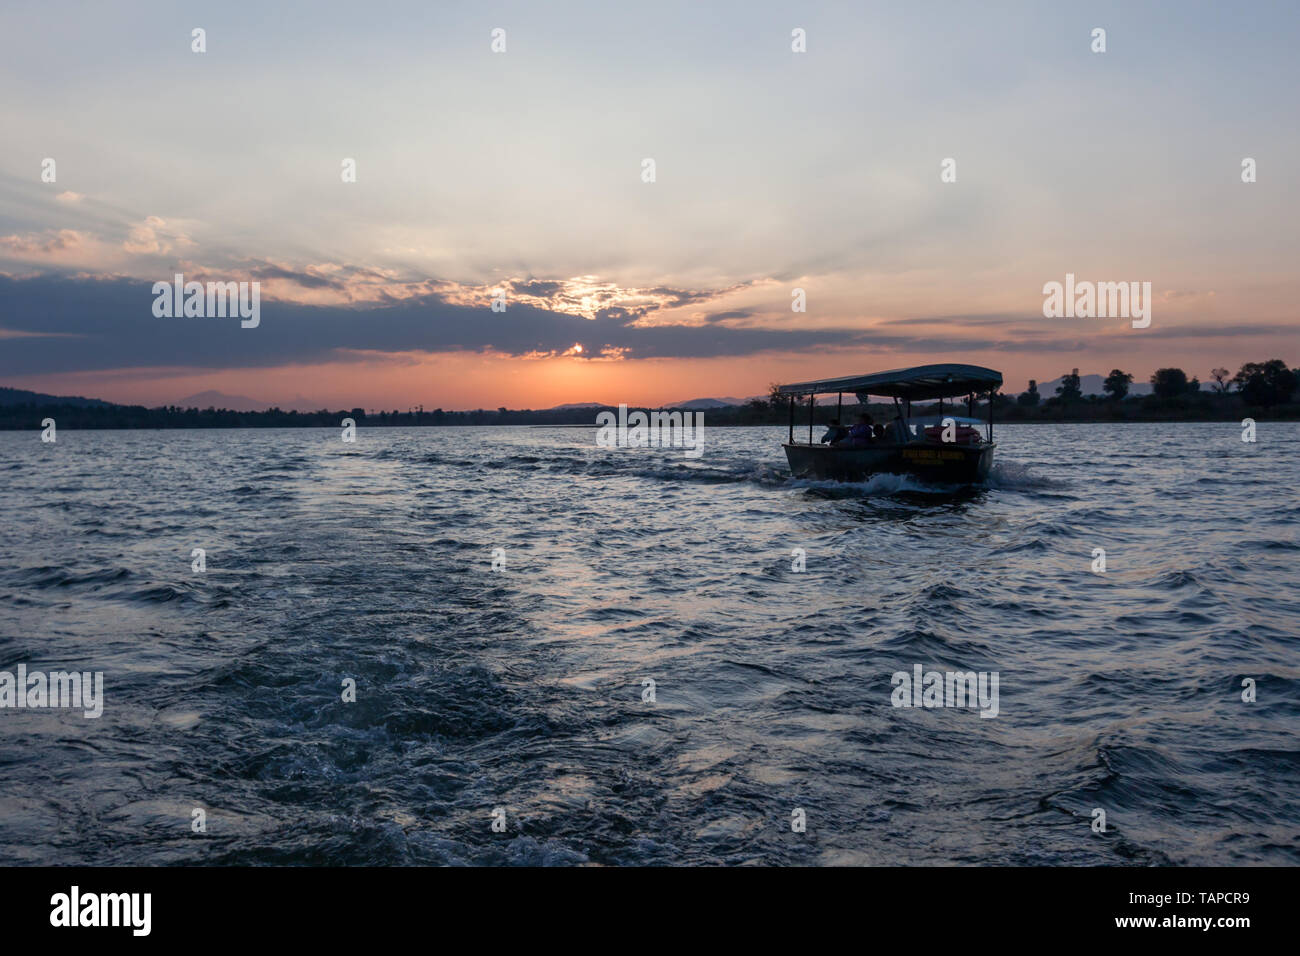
[591, 425]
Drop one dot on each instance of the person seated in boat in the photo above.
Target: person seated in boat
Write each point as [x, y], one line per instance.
[835, 432]
[900, 433]
[878, 431]
[861, 434]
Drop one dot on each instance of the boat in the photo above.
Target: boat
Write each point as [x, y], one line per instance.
[942, 448]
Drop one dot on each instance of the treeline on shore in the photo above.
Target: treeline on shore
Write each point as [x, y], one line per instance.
[1260, 390]
[1266, 391]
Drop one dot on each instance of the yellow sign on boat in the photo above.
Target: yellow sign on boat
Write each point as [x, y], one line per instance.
[931, 456]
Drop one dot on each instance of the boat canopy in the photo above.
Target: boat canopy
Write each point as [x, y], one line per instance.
[913, 384]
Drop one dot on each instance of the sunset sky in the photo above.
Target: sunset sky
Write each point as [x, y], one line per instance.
[480, 171]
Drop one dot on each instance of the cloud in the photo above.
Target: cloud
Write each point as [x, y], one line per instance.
[1225, 330]
[306, 280]
[1184, 295]
[335, 284]
[152, 237]
[48, 243]
[83, 323]
[117, 329]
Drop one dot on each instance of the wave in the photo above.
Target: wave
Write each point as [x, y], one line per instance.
[524, 688]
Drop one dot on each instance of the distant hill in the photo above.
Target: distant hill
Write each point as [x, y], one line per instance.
[725, 402]
[242, 403]
[1091, 385]
[17, 396]
[211, 399]
[692, 404]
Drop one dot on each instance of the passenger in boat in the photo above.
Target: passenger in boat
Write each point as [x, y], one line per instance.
[901, 434]
[835, 432]
[861, 434]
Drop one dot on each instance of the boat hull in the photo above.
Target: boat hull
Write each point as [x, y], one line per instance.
[935, 462]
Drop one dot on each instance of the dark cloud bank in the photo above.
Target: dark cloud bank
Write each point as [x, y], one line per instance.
[89, 324]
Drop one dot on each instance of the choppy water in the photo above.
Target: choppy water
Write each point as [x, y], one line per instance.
[522, 688]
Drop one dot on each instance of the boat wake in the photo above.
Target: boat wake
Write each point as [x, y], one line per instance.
[1004, 476]
[1016, 476]
[878, 486]
[770, 610]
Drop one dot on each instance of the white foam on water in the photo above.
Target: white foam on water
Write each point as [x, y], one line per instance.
[875, 486]
[1016, 476]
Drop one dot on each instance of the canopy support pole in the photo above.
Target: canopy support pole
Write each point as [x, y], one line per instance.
[839, 407]
[791, 419]
[811, 399]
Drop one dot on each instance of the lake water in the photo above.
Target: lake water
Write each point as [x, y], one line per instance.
[524, 688]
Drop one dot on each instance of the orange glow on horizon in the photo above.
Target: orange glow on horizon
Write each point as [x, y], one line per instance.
[463, 380]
